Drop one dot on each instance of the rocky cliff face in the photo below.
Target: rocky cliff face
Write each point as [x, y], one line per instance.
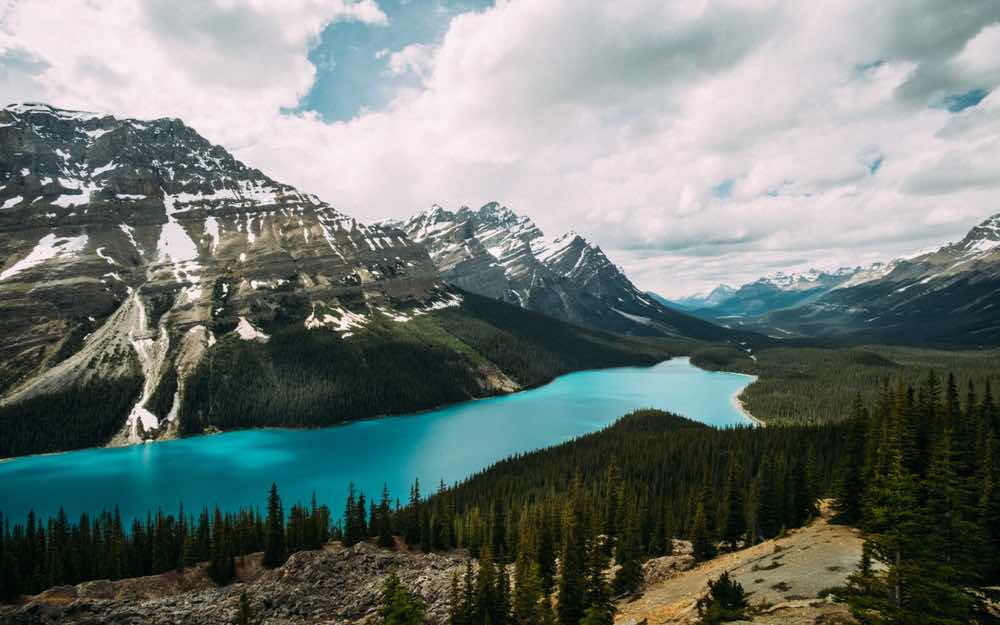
[495, 252]
[129, 247]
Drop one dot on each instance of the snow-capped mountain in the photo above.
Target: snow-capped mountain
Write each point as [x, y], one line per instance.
[142, 239]
[948, 296]
[706, 299]
[778, 291]
[144, 268]
[495, 252]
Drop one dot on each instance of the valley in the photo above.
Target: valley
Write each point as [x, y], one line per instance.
[499, 312]
[174, 320]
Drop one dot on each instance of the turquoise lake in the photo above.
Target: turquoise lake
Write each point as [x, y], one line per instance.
[236, 469]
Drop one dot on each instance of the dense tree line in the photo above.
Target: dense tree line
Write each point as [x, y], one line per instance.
[38, 554]
[312, 378]
[920, 475]
[815, 385]
[74, 418]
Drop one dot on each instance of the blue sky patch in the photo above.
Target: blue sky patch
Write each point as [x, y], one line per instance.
[956, 102]
[351, 75]
[724, 189]
[874, 165]
[863, 68]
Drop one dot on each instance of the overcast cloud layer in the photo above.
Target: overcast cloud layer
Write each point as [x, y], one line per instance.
[696, 142]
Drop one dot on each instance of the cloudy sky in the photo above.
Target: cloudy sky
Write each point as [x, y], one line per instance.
[696, 142]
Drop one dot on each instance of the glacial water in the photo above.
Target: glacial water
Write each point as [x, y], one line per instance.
[236, 469]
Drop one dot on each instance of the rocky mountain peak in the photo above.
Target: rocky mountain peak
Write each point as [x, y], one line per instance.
[499, 253]
[153, 243]
[982, 238]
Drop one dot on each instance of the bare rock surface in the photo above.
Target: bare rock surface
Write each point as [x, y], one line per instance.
[333, 586]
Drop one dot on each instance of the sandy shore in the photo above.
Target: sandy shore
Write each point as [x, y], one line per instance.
[738, 404]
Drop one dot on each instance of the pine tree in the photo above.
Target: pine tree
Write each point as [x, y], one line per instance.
[725, 601]
[245, 613]
[275, 553]
[600, 607]
[458, 610]
[701, 541]
[735, 521]
[221, 564]
[503, 595]
[768, 503]
[989, 505]
[352, 525]
[545, 550]
[527, 608]
[399, 605]
[486, 601]
[628, 578]
[850, 486]
[572, 564]
[10, 582]
[412, 526]
[385, 538]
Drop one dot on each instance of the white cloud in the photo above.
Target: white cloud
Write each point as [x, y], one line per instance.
[415, 58]
[616, 119]
[226, 66]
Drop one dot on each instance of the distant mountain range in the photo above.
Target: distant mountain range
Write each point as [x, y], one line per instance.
[498, 253]
[709, 299]
[774, 292]
[948, 297]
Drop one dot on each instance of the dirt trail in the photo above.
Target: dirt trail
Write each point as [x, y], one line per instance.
[788, 573]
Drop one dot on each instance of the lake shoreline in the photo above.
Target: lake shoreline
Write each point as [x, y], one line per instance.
[171, 437]
[738, 404]
[450, 444]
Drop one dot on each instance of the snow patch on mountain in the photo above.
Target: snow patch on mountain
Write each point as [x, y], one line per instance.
[248, 332]
[48, 247]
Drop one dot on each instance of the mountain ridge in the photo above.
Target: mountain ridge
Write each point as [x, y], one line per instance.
[944, 297]
[500, 254]
[775, 291]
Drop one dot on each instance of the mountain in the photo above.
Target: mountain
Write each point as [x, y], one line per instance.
[152, 285]
[777, 291]
[497, 253]
[708, 299]
[945, 297]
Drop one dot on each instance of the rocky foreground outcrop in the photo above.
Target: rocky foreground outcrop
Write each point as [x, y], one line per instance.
[333, 586]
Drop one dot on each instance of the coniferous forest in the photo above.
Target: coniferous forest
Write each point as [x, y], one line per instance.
[919, 475]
